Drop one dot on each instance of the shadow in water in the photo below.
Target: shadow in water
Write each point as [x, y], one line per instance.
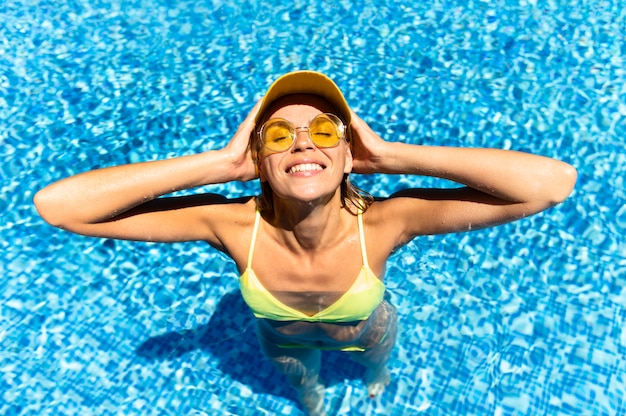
[230, 336]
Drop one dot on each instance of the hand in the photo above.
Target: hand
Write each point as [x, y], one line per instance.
[239, 148]
[368, 147]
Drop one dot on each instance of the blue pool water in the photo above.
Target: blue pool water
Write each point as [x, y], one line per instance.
[523, 319]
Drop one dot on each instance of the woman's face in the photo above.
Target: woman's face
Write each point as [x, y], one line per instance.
[304, 172]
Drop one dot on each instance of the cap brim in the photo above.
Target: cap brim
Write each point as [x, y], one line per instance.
[306, 82]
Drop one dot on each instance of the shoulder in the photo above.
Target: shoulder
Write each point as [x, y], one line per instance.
[393, 209]
[391, 218]
[232, 222]
[382, 225]
[231, 214]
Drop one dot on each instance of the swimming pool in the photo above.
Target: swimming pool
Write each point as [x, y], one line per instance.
[523, 319]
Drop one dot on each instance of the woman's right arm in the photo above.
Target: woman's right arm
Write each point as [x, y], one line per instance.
[122, 201]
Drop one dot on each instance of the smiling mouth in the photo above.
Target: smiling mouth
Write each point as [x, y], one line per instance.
[305, 167]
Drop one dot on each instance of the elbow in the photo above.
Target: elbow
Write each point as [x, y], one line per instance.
[47, 208]
[565, 180]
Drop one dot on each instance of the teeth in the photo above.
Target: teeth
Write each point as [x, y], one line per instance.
[305, 167]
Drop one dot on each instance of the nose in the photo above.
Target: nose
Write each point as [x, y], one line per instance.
[302, 140]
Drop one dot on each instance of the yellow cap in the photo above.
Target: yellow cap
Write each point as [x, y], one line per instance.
[306, 82]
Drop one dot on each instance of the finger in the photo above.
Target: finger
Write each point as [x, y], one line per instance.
[249, 124]
[354, 115]
[255, 110]
[253, 113]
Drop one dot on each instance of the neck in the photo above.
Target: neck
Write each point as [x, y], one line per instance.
[309, 225]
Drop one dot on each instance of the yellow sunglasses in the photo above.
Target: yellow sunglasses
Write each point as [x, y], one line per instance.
[325, 130]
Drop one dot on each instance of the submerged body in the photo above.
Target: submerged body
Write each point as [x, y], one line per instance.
[311, 251]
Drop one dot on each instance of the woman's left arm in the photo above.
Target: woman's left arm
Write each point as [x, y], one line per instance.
[501, 185]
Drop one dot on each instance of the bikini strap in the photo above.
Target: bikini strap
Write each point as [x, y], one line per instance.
[257, 220]
[362, 237]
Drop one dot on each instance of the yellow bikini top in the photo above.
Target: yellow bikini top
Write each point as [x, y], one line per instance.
[356, 304]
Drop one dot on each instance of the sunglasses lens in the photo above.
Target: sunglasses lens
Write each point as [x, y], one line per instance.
[326, 131]
[278, 135]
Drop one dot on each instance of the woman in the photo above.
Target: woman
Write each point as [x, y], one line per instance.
[312, 248]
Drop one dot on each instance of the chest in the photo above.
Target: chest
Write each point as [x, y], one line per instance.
[333, 270]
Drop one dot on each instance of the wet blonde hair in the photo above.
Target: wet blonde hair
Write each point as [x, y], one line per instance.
[353, 198]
